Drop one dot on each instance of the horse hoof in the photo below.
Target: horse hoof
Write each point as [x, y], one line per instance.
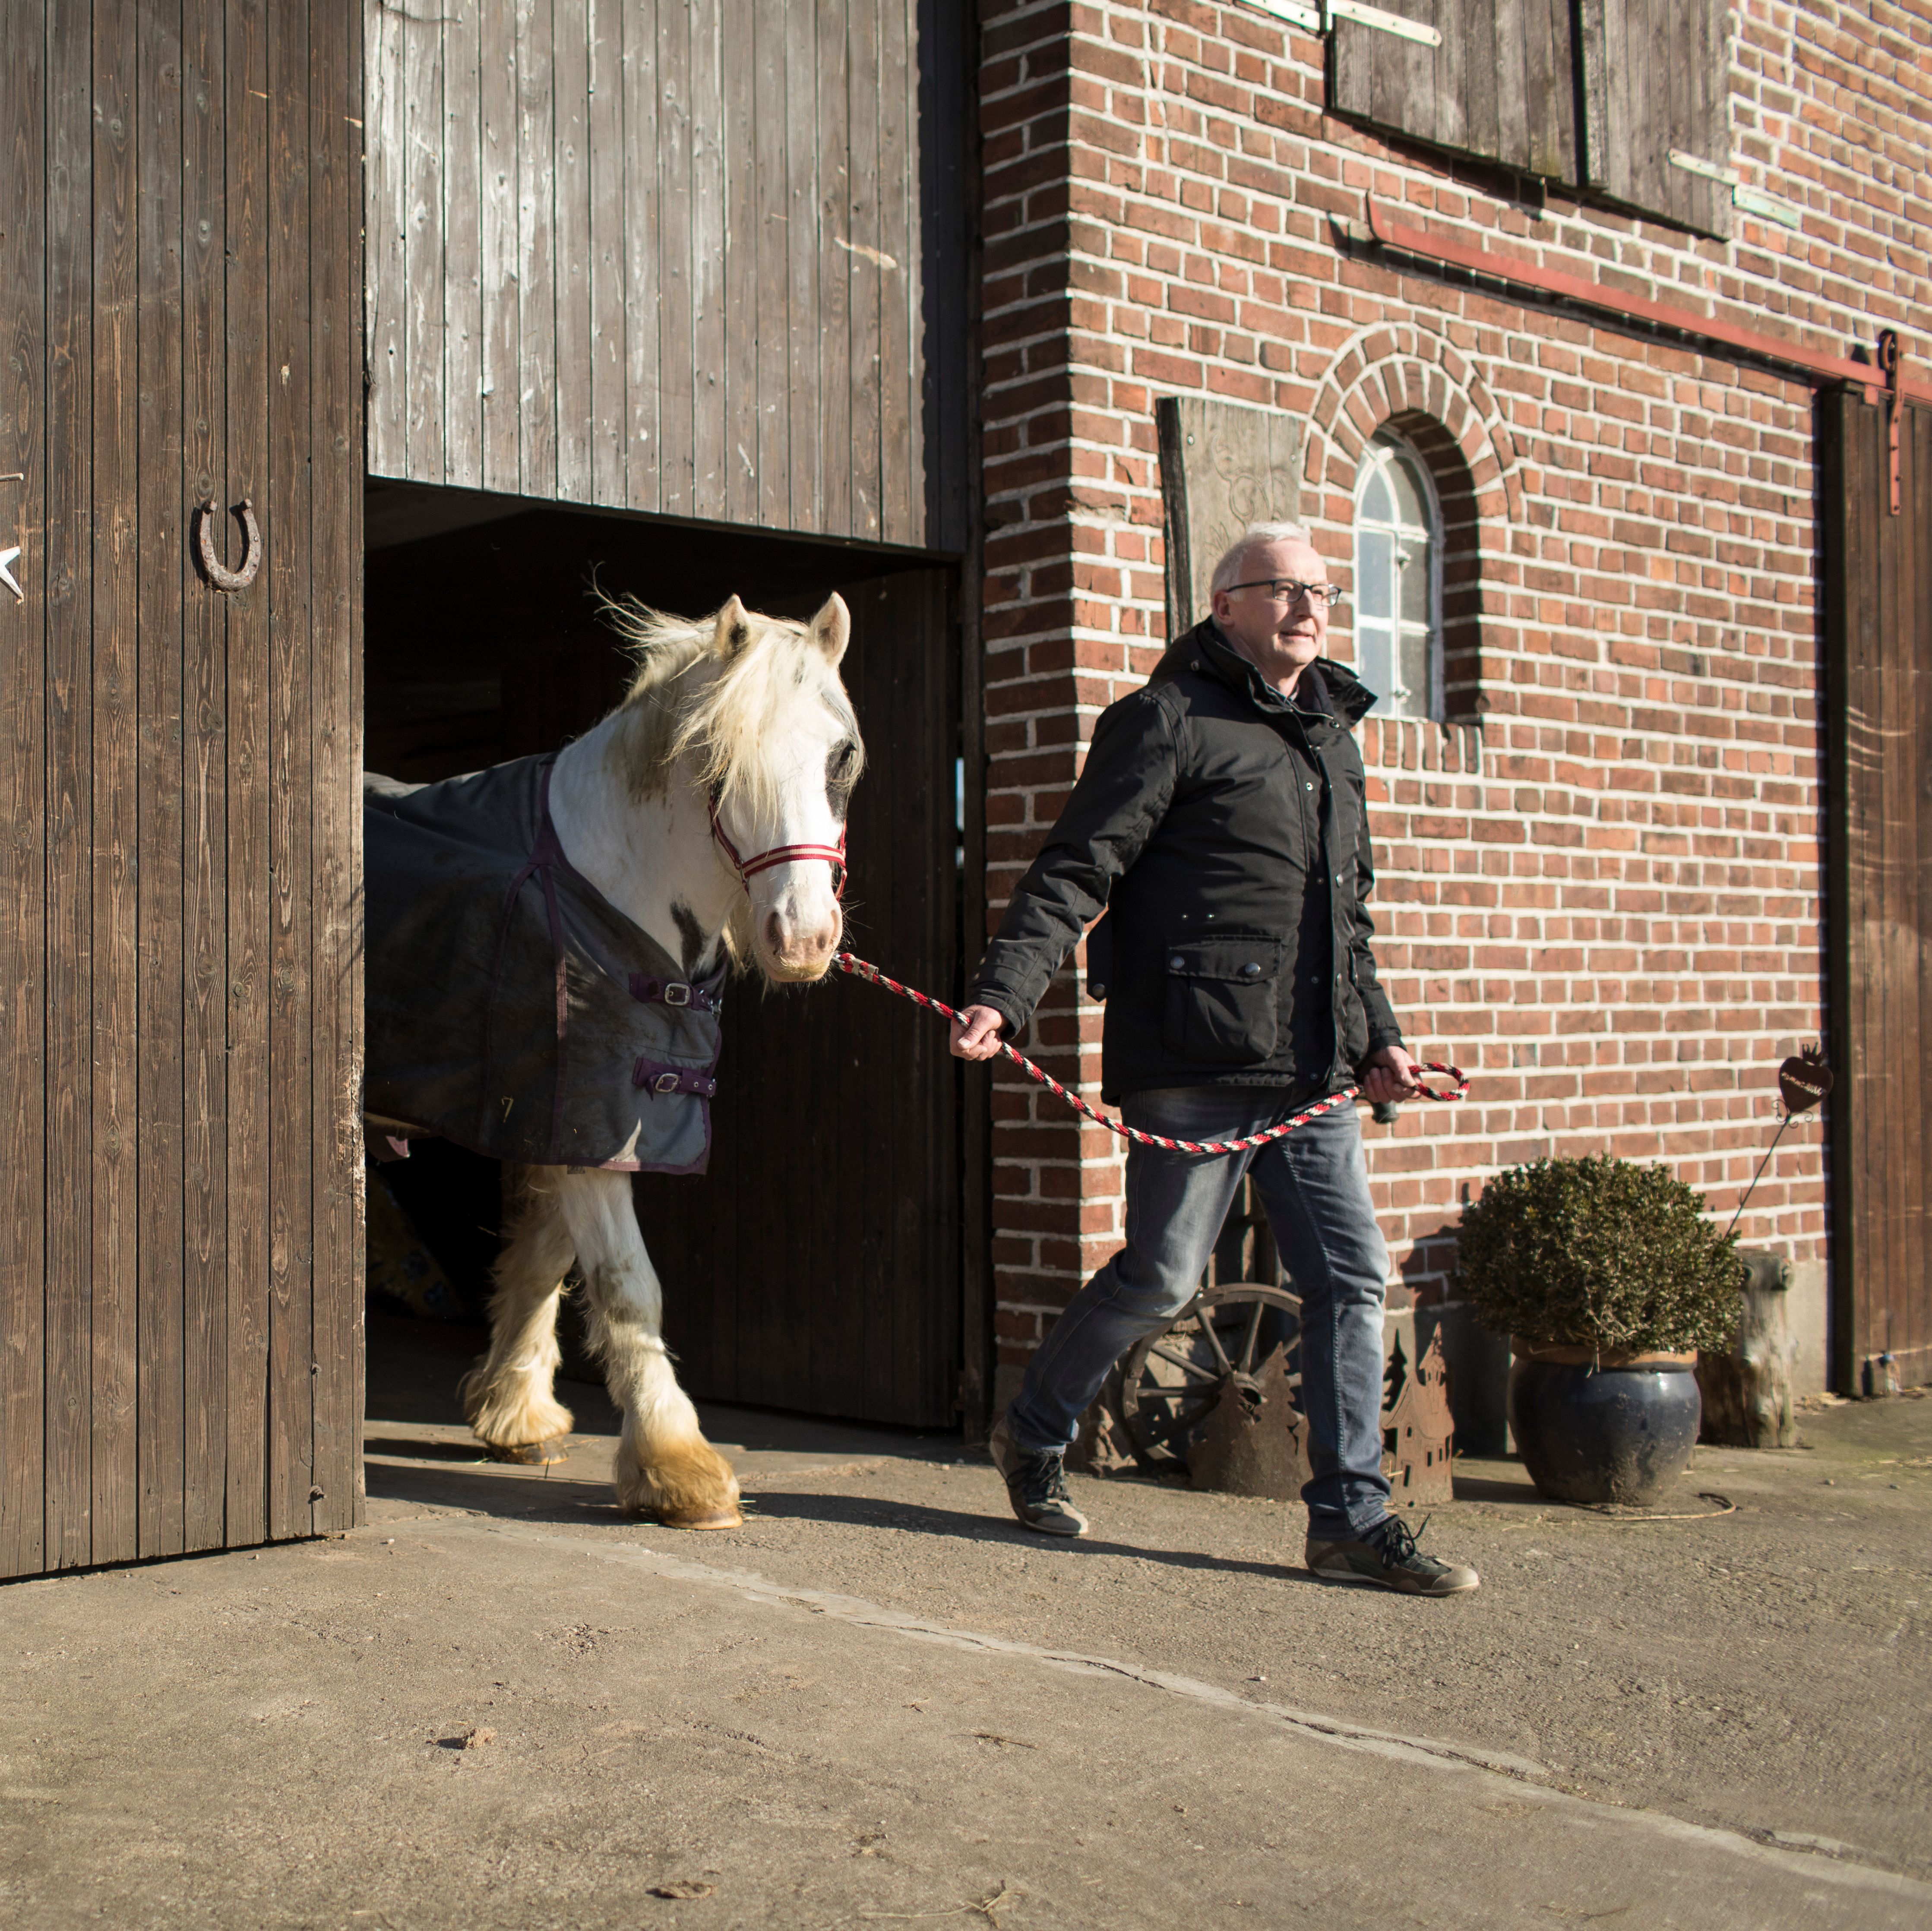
[726, 1517]
[533, 1454]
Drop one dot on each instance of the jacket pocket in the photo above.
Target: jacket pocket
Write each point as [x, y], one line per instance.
[1223, 997]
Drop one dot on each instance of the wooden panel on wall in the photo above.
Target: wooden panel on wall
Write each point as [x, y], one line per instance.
[181, 1256]
[1878, 613]
[1223, 466]
[724, 301]
[1500, 86]
[1656, 81]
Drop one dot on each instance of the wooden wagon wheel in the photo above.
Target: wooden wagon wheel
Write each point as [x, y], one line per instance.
[1171, 1383]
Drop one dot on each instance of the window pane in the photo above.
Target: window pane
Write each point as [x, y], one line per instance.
[1409, 494]
[1413, 560]
[1374, 560]
[1414, 660]
[1376, 503]
[1372, 654]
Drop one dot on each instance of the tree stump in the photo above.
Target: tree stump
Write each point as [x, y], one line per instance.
[1747, 1389]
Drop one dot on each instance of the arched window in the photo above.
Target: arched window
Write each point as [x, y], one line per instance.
[1398, 600]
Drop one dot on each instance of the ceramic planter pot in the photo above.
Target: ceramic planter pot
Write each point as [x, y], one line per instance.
[1603, 1428]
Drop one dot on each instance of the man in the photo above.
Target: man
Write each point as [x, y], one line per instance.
[1221, 822]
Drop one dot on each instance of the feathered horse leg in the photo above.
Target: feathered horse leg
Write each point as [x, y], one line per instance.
[664, 1467]
[507, 1396]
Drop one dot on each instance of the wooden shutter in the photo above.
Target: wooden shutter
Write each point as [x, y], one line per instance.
[1501, 85]
[1656, 84]
[1222, 466]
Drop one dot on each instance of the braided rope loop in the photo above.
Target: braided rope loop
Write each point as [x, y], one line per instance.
[859, 968]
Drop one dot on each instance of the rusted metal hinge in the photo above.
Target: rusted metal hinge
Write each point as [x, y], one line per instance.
[1892, 360]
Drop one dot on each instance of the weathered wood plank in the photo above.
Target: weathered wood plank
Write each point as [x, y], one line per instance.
[1908, 1334]
[114, 936]
[67, 469]
[804, 506]
[570, 93]
[901, 480]
[24, 361]
[246, 394]
[677, 353]
[642, 248]
[608, 483]
[461, 229]
[756, 265]
[423, 324]
[205, 758]
[70, 802]
[710, 442]
[335, 803]
[1911, 1338]
[859, 243]
[291, 1152]
[497, 241]
[159, 1394]
[388, 222]
[833, 453]
[536, 262]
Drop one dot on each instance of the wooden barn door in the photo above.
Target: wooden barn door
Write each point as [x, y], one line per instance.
[180, 999]
[1878, 597]
[817, 1265]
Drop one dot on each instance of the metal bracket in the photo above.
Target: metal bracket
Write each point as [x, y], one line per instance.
[1892, 362]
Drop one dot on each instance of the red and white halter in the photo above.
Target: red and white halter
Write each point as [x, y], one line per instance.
[748, 868]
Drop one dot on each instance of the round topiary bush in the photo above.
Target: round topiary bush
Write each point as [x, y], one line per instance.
[1599, 1253]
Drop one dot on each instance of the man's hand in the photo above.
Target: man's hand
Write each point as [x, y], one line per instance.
[976, 1034]
[1389, 1075]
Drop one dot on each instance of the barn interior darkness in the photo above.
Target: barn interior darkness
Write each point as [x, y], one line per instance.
[484, 643]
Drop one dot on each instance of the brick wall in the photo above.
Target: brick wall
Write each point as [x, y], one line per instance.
[1603, 895]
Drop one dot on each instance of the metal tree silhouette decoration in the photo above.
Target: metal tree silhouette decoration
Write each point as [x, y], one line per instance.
[1803, 1081]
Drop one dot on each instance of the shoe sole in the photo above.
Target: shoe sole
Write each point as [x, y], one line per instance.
[1049, 1528]
[1352, 1579]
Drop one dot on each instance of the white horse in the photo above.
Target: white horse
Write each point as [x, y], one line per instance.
[710, 807]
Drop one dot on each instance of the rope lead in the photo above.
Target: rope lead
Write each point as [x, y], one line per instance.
[860, 968]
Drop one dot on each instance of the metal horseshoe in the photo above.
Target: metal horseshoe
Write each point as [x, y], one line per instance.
[222, 578]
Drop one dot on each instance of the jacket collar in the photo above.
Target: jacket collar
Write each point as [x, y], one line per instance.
[1205, 646]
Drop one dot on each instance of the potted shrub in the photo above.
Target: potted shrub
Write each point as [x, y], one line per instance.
[1608, 1279]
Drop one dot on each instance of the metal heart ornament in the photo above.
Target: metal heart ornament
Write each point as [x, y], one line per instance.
[1804, 1080]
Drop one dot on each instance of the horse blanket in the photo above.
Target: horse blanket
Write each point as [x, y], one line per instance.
[511, 1008]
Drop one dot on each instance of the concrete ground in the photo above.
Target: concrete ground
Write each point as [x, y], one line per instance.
[500, 1703]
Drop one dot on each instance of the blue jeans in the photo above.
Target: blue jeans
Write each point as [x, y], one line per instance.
[1313, 1185]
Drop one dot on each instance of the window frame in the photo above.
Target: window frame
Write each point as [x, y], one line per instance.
[1386, 448]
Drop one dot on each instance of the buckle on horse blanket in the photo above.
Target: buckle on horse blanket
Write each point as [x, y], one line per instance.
[670, 992]
[657, 1076]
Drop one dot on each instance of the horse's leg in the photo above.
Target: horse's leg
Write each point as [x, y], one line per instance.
[507, 1395]
[664, 1466]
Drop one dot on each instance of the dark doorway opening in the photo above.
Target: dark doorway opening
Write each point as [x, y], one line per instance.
[817, 1267]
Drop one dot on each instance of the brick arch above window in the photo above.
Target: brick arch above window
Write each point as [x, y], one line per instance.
[1394, 369]
[1395, 377]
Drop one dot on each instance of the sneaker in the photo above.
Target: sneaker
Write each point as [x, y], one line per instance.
[1386, 1556]
[1037, 1485]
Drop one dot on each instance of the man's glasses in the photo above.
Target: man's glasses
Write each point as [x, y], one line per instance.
[1286, 590]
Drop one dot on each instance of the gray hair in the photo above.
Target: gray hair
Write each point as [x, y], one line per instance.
[1228, 572]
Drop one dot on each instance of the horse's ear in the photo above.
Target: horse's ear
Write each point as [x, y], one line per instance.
[832, 629]
[734, 631]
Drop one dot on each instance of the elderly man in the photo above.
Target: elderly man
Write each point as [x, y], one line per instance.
[1221, 822]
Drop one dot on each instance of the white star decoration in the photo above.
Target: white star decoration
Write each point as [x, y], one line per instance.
[6, 557]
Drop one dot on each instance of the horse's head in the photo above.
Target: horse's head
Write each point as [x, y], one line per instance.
[781, 753]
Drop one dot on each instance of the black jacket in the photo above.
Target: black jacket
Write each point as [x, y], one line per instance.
[1225, 831]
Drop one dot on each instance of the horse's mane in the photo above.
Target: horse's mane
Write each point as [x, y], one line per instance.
[684, 698]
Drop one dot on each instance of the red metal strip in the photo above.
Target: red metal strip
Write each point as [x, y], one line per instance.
[1813, 362]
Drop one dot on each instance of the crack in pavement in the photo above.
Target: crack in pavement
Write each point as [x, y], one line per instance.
[1524, 1778]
